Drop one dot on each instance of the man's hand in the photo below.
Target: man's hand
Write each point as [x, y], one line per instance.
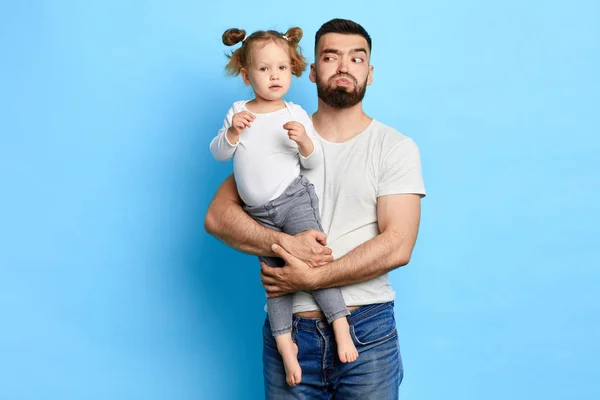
[294, 276]
[309, 246]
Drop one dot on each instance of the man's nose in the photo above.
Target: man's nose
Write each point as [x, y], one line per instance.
[342, 66]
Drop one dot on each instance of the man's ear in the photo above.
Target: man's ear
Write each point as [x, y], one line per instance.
[370, 77]
[313, 74]
[245, 78]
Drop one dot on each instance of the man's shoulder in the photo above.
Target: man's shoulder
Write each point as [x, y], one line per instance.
[389, 136]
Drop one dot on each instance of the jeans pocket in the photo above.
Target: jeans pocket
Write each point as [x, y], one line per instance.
[375, 329]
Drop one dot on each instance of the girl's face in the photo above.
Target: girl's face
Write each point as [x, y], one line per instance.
[270, 70]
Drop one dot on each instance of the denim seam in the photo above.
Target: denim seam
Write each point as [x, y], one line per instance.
[304, 326]
[293, 184]
[381, 339]
[314, 205]
[272, 214]
[323, 346]
[352, 318]
[366, 314]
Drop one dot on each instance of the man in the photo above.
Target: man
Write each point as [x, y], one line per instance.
[369, 188]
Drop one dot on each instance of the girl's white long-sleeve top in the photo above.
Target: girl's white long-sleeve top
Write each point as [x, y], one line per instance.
[265, 159]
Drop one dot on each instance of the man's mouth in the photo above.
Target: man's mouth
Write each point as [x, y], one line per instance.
[344, 80]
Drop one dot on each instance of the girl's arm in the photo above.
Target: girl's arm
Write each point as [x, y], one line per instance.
[220, 147]
[315, 158]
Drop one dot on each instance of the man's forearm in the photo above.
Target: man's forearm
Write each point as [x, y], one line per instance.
[228, 222]
[231, 225]
[373, 258]
[398, 218]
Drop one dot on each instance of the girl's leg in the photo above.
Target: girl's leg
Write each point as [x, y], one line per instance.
[279, 309]
[301, 212]
[280, 318]
[333, 306]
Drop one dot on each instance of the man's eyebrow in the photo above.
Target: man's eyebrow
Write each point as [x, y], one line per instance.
[339, 52]
[359, 50]
[334, 51]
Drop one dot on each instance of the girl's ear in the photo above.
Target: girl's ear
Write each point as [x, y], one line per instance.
[245, 77]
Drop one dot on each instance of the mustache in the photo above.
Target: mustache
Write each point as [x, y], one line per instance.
[347, 76]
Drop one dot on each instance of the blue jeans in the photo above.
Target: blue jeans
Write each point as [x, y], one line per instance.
[376, 374]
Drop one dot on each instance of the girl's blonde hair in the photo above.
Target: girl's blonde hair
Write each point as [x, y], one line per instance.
[240, 58]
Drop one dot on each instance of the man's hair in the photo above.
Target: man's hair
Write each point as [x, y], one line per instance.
[343, 26]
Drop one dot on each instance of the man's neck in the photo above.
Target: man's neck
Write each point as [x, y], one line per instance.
[339, 125]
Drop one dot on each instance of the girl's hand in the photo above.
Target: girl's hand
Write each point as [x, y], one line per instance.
[297, 133]
[241, 121]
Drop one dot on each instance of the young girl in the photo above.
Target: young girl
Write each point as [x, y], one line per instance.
[269, 139]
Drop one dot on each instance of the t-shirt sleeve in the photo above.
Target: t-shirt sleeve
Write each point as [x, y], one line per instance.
[220, 147]
[401, 170]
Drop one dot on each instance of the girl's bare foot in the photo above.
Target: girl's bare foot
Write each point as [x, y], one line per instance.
[346, 350]
[289, 352]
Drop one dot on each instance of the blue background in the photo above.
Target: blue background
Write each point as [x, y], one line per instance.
[111, 289]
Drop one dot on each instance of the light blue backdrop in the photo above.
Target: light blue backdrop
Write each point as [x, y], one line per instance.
[110, 288]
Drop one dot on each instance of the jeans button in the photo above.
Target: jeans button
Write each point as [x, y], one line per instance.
[321, 324]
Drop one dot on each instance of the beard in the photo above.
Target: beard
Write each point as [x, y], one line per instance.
[341, 97]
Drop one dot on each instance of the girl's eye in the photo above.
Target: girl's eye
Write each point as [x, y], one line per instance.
[263, 69]
[283, 68]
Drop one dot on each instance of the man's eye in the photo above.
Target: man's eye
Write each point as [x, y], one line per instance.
[357, 60]
[328, 58]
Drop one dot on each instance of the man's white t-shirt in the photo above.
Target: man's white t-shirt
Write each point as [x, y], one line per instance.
[266, 160]
[377, 162]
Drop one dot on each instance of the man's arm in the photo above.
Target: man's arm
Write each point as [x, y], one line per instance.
[228, 222]
[398, 217]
